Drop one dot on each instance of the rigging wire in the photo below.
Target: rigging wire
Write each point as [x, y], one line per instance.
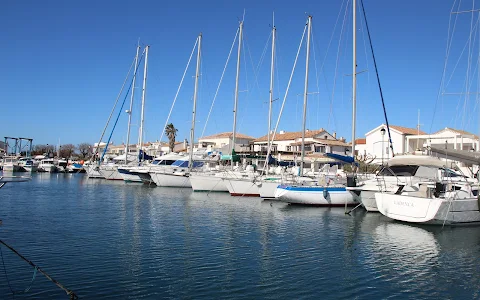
[378, 78]
[119, 113]
[220, 82]
[325, 59]
[178, 90]
[285, 96]
[337, 62]
[450, 34]
[114, 107]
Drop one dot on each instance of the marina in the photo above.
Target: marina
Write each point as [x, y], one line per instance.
[331, 164]
[165, 243]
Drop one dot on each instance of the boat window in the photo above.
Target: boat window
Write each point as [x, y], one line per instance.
[427, 172]
[404, 170]
[181, 163]
[449, 173]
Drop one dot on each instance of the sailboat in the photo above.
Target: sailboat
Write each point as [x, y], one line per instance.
[219, 180]
[323, 195]
[177, 174]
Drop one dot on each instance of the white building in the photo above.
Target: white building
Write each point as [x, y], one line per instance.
[377, 146]
[446, 138]
[223, 142]
[317, 142]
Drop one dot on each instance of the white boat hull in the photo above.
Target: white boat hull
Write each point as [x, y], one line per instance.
[315, 195]
[367, 198]
[11, 168]
[242, 187]
[47, 168]
[267, 189]
[171, 179]
[428, 210]
[110, 172]
[207, 183]
[93, 171]
[127, 176]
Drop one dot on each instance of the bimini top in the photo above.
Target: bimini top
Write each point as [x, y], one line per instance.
[421, 160]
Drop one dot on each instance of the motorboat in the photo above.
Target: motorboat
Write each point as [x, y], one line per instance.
[404, 172]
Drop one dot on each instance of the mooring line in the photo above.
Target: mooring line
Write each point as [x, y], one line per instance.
[37, 268]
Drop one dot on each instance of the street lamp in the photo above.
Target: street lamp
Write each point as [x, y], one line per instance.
[382, 132]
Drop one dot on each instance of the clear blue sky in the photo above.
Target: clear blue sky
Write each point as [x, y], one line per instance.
[63, 64]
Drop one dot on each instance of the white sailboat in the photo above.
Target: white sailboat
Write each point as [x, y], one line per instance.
[178, 174]
[324, 195]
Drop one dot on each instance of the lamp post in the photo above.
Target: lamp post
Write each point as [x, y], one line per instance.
[382, 132]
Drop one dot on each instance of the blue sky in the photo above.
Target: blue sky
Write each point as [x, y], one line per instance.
[63, 64]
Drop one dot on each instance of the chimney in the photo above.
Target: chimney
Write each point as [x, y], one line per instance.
[335, 135]
[282, 131]
[185, 144]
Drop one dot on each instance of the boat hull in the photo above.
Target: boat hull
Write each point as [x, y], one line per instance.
[267, 189]
[128, 176]
[110, 172]
[93, 172]
[242, 187]
[315, 195]
[428, 210]
[207, 183]
[179, 180]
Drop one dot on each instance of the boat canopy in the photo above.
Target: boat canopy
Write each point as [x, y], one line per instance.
[341, 158]
[464, 156]
[421, 160]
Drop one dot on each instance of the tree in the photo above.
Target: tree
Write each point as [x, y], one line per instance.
[67, 150]
[171, 133]
[42, 149]
[85, 150]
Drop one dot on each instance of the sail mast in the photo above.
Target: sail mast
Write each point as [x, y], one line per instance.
[274, 30]
[240, 35]
[354, 75]
[195, 92]
[142, 114]
[305, 94]
[131, 106]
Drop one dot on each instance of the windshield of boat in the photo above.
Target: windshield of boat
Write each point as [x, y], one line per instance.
[184, 164]
[163, 162]
[401, 170]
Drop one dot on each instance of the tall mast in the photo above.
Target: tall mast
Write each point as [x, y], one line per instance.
[305, 94]
[240, 36]
[142, 114]
[131, 105]
[192, 130]
[274, 30]
[354, 75]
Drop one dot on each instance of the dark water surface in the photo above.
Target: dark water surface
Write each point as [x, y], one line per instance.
[114, 240]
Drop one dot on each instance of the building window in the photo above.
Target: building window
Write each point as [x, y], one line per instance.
[308, 148]
[320, 149]
[289, 148]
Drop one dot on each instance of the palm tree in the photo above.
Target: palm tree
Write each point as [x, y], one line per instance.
[171, 133]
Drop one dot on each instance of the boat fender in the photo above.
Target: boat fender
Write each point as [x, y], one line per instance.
[325, 193]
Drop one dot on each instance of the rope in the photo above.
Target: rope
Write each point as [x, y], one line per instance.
[378, 78]
[36, 268]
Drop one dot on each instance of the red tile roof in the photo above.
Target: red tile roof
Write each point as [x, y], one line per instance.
[291, 135]
[361, 141]
[406, 130]
[227, 135]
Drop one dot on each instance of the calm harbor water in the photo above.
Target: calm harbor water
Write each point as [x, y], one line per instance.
[106, 239]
